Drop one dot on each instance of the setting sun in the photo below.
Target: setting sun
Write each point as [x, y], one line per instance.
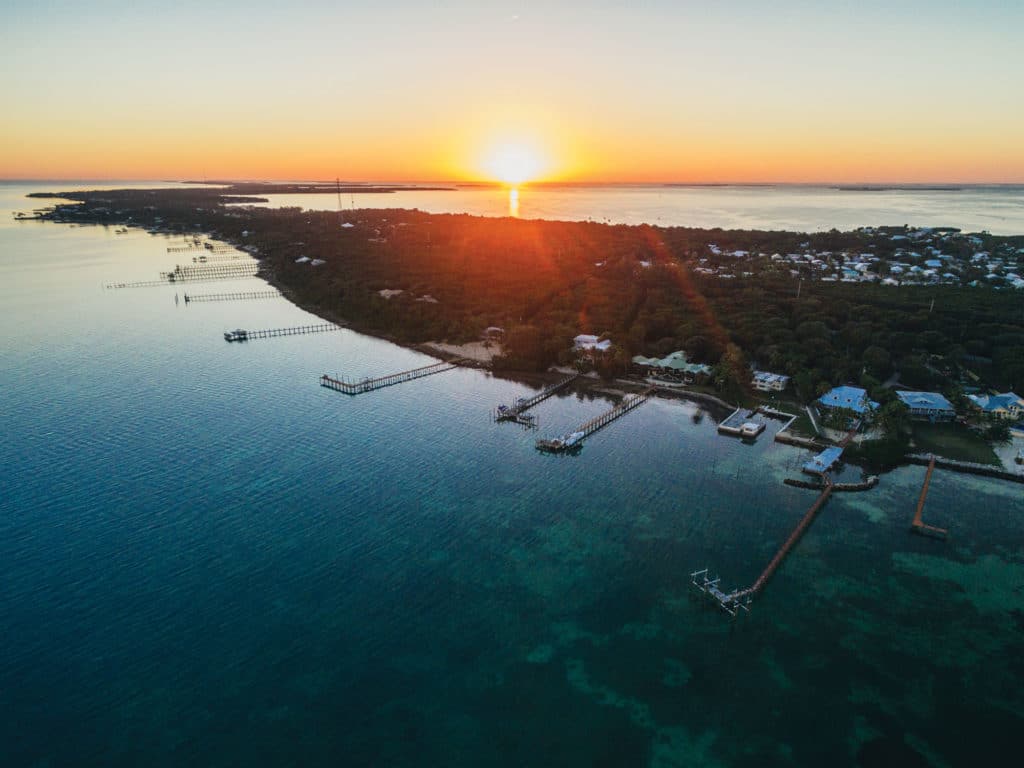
[514, 163]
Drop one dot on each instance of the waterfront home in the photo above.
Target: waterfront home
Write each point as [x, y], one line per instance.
[848, 398]
[1006, 405]
[675, 365]
[589, 343]
[769, 382]
[927, 405]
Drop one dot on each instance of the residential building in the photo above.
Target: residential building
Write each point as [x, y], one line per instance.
[927, 405]
[673, 365]
[848, 398]
[770, 382]
[586, 341]
[1006, 405]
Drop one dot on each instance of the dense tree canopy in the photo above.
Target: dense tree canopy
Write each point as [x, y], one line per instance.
[545, 282]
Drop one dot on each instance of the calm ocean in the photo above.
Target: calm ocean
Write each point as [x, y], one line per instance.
[208, 559]
[800, 208]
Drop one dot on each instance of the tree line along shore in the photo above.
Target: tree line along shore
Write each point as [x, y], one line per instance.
[729, 298]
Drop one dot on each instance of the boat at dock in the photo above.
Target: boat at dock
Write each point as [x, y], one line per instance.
[236, 335]
[559, 444]
[751, 429]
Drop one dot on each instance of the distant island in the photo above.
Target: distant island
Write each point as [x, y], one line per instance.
[274, 188]
[928, 308]
[873, 188]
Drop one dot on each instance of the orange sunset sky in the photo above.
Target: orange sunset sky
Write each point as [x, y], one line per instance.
[735, 91]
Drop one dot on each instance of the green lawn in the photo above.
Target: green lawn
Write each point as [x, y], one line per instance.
[802, 425]
[953, 441]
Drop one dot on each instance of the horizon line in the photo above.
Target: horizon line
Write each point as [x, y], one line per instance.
[497, 183]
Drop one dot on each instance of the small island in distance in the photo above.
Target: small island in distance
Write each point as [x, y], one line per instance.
[343, 187]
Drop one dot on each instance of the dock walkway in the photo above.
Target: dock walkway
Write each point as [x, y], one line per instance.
[732, 602]
[575, 439]
[516, 412]
[967, 467]
[236, 296]
[271, 333]
[368, 385]
[205, 271]
[740, 423]
[918, 525]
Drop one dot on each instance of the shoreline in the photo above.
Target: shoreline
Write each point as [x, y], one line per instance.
[327, 306]
[590, 384]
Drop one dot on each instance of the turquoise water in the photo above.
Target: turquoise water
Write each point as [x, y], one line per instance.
[208, 559]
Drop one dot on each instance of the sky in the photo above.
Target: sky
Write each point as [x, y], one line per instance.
[733, 91]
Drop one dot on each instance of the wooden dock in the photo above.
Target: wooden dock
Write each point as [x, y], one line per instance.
[207, 271]
[918, 525]
[236, 296]
[368, 385]
[517, 411]
[174, 281]
[206, 259]
[272, 333]
[732, 602]
[574, 440]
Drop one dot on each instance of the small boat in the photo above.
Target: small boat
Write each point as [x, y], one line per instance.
[1020, 456]
[236, 335]
[573, 439]
[751, 429]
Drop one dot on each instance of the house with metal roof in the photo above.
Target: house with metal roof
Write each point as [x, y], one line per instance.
[675, 363]
[589, 342]
[824, 461]
[1006, 405]
[927, 405]
[848, 398]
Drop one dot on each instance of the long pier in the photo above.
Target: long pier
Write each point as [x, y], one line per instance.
[236, 296]
[516, 411]
[732, 602]
[174, 280]
[368, 385]
[971, 468]
[575, 439]
[919, 526]
[271, 333]
[204, 259]
[202, 271]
